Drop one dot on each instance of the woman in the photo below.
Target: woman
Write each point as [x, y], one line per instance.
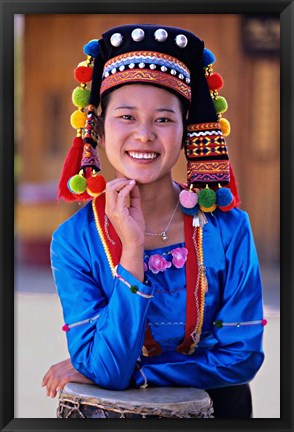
[159, 282]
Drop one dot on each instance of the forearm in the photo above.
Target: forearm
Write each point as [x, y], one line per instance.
[205, 369]
[132, 261]
[106, 349]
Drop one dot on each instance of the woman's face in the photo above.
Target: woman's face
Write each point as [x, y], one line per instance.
[143, 132]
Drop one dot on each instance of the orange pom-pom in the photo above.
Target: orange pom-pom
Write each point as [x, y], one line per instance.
[96, 185]
[214, 81]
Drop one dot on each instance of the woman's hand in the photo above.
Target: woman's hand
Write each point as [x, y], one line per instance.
[123, 209]
[60, 374]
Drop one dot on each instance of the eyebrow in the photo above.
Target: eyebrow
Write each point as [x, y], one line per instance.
[134, 108]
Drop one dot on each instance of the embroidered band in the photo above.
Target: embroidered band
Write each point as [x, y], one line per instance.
[151, 58]
[91, 128]
[208, 171]
[90, 157]
[147, 76]
[207, 155]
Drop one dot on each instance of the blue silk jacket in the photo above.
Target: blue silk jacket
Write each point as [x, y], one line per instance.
[106, 323]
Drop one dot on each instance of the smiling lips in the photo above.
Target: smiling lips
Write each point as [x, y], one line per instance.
[142, 156]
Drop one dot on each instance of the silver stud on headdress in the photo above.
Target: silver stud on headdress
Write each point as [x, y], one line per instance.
[116, 40]
[160, 35]
[138, 35]
[181, 41]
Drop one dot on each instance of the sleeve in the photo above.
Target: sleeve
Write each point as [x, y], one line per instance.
[234, 353]
[105, 332]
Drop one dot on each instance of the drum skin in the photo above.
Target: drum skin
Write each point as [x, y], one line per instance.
[90, 401]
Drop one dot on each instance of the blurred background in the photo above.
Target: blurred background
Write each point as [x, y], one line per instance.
[47, 49]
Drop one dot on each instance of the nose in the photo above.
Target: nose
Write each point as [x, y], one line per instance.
[144, 133]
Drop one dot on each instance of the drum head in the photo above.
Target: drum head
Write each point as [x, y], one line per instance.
[157, 401]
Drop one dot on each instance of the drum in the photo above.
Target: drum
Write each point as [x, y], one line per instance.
[90, 401]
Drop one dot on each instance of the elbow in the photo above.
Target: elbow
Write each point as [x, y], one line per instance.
[113, 381]
[104, 377]
[257, 359]
[249, 367]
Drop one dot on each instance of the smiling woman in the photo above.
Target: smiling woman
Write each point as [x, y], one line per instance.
[159, 281]
[143, 141]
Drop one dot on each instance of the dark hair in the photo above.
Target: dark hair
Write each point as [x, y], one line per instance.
[105, 99]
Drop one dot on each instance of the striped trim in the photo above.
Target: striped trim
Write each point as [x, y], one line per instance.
[220, 323]
[149, 57]
[102, 238]
[67, 327]
[203, 126]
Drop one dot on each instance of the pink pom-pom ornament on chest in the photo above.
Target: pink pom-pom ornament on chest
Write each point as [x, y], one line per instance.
[188, 199]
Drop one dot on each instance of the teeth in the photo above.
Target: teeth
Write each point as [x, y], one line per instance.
[136, 155]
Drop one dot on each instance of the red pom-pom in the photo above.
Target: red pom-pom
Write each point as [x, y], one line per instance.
[264, 322]
[65, 328]
[214, 81]
[83, 74]
[96, 185]
[229, 206]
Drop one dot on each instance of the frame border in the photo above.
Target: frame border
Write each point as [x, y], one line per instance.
[7, 10]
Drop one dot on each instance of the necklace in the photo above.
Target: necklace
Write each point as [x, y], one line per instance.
[163, 234]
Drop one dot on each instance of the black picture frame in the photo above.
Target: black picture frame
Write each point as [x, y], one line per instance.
[7, 10]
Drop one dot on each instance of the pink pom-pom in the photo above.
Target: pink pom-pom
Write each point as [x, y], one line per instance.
[264, 322]
[188, 199]
[65, 328]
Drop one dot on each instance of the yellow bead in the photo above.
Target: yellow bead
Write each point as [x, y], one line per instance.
[78, 119]
[225, 126]
[208, 209]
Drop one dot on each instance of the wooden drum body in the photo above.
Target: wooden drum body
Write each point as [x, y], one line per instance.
[90, 401]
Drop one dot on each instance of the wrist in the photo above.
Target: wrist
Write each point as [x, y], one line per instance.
[132, 261]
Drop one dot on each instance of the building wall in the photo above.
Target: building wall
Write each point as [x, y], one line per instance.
[52, 48]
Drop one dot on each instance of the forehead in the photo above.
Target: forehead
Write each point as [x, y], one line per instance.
[144, 93]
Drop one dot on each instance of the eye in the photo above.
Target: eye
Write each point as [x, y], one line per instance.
[163, 120]
[127, 117]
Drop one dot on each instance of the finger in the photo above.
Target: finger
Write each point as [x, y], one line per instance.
[123, 198]
[116, 184]
[113, 189]
[46, 378]
[135, 197]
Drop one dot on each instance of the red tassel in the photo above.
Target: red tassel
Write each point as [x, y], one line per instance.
[71, 166]
[233, 187]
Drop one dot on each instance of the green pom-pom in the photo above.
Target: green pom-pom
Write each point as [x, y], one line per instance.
[133, 289]
[218, 323]
[77, 184]
[81, 97]
[206, 198]
[220, 104]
